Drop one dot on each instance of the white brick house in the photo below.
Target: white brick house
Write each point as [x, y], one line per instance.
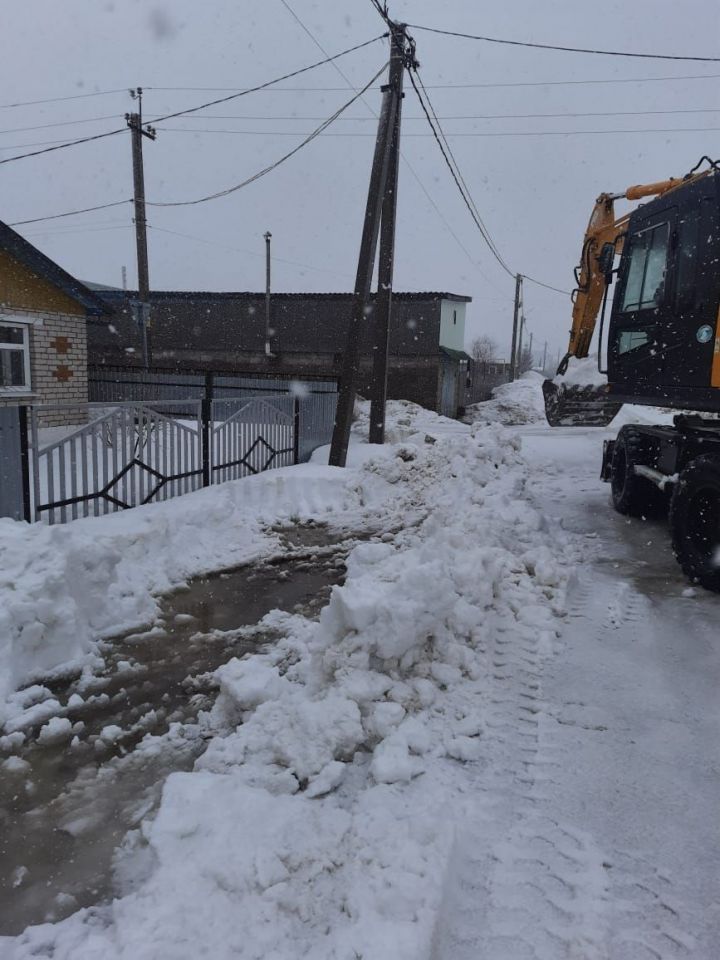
[43, 335]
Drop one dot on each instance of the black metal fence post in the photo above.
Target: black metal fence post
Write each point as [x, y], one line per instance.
[206, 418]
[296, 431]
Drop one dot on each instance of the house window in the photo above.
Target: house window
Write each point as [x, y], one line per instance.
[14, 357]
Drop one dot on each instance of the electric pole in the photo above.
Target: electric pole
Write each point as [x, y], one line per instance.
[544, 356]
[516, 317]
[134, 121]
[531, 353]
[366, 260]
[378, 392]
[268, 237]
[520, 340]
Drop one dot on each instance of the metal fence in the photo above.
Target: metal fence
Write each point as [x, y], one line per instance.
[117, 384]
[136, 452]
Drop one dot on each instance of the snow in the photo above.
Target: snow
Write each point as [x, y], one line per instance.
[63, 588]
[512, 403]
[582, 373]
[460, 758]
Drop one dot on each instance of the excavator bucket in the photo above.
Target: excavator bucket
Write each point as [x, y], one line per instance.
[570, 405]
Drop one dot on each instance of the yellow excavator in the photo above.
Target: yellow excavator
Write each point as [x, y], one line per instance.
[662, 348]
[605, 238]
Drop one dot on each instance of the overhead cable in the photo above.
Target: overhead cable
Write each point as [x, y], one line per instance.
[71, 213]
[77, 96]
[552, 46]
[202, 106]
[269, 83]
[261, 173]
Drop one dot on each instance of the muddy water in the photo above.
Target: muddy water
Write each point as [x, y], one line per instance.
[65, 808]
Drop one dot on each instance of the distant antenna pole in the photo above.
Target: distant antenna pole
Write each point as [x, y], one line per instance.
[123, 273]
[268, 237]
[134, 121]
[378, 393]
[516, 317]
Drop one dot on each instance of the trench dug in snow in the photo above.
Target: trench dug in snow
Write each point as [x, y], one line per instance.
[64, 811]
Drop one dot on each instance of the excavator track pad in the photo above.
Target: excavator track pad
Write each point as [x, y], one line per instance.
[569, 405]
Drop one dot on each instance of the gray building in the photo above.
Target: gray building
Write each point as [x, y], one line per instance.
[225, 332]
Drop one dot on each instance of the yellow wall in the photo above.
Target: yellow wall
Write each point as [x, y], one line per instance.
[22, 289]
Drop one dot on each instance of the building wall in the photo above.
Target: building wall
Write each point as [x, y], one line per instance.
[21, 288]
[58, 341]
[452, 325]
[58, 364]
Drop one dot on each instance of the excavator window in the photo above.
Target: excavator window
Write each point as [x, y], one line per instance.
[644, 287]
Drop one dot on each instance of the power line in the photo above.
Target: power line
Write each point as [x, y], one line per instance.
[551, 46]
[263, 86]
[261, 173]
[71, 213]
[63, 145]
[251, 253]
[452, 134]
[457, 177]
[463, 116]
[404, 159]
[77, 96]
[465, 86]
[61, 123]
[202, 106]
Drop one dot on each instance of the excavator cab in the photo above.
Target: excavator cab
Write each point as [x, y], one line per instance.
[664, 310]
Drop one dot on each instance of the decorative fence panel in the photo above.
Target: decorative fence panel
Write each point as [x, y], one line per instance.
[124, 456]
[132, 453]
[257, 436]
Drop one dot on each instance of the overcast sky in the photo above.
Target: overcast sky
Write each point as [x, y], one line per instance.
[534, 192]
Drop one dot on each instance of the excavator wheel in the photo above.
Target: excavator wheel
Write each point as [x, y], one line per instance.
[633, 495]
[695, 521]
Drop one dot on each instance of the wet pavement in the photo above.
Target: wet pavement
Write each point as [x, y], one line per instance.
[66, 806]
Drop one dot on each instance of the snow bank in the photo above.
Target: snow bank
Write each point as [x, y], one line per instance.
[319, 823]
[512, 403]
[64, 587]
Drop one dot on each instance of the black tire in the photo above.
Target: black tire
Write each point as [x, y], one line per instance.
[695, 521]
[632, 495]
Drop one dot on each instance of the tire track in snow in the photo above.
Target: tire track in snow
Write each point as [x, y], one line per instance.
[522, 884]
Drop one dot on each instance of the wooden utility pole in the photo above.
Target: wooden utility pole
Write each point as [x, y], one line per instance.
[268, 237]
[516, 317]
[366, 264]
[520, 340]
[134, 121]
[531, 353]
[383, 311]
[544, 356]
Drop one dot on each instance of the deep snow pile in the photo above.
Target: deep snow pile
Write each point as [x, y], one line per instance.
[320, 819]
[512, 403]
[62, 588]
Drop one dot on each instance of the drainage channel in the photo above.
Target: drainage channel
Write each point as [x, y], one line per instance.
[68, 800]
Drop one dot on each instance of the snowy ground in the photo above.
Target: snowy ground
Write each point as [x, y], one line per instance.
[499, 741]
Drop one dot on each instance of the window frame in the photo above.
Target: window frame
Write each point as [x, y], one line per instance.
[24, 348]
[641, 307]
